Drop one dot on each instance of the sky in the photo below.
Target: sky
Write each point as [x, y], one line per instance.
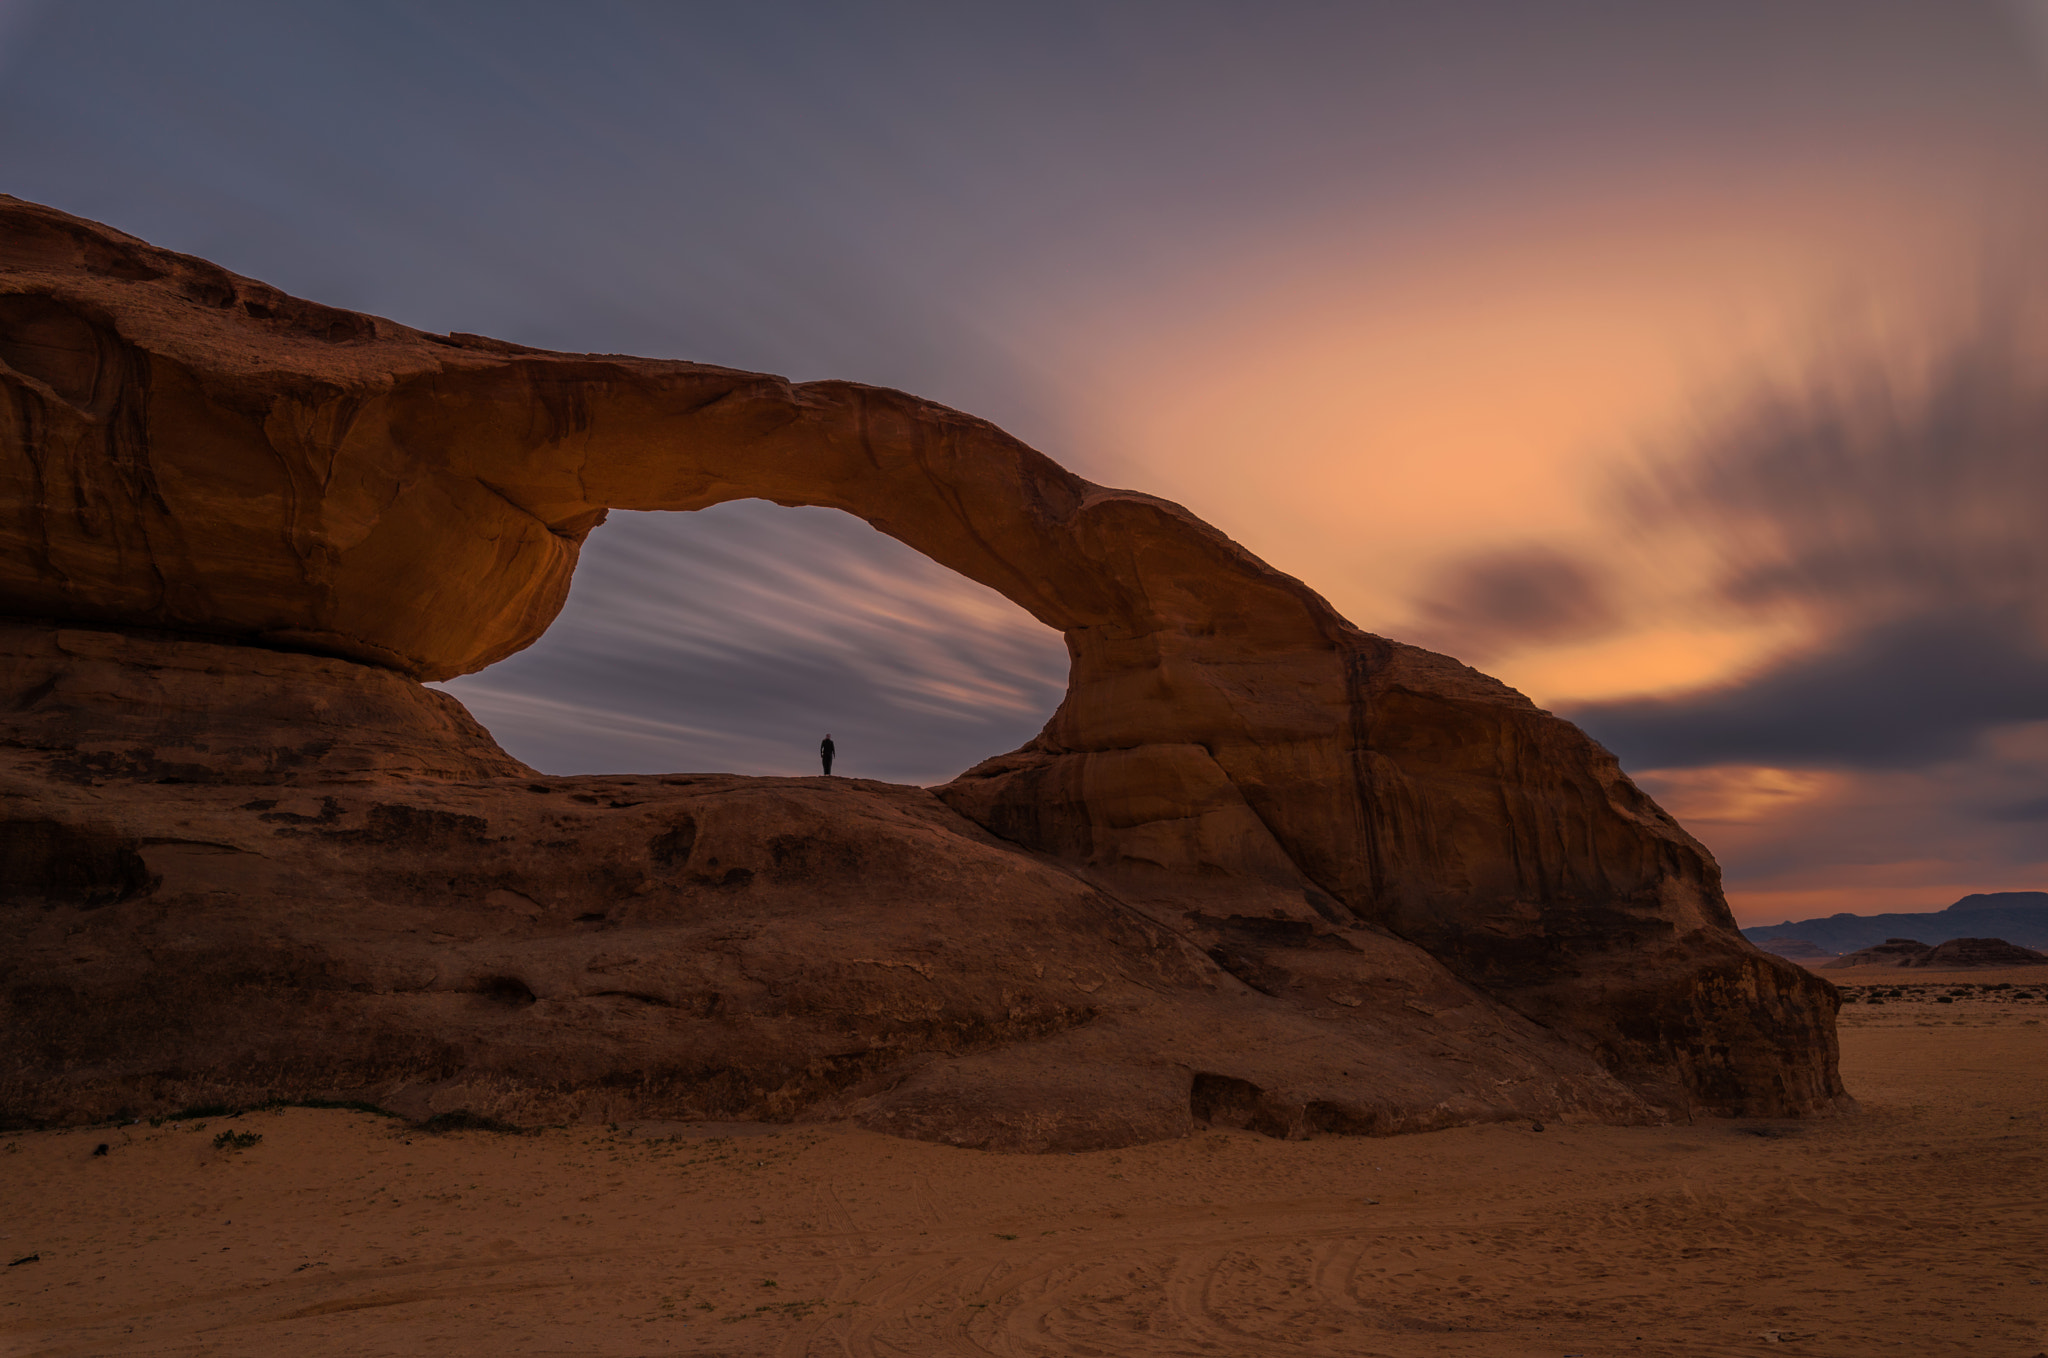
[1677, 364]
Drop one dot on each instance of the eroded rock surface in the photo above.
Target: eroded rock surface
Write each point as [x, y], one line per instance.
[295, 921]
[330, 506]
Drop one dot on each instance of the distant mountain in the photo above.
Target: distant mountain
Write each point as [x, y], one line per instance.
[1893, 952]
[1797, 950]
[1958, 954]
[2016, 916]
[2001, 900]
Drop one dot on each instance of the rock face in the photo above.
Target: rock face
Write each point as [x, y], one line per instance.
[238, 526]
[303, 923]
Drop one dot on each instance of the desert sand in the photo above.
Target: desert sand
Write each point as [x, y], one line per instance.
[1913, 1225]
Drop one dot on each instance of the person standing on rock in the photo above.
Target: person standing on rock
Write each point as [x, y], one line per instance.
[825, 753]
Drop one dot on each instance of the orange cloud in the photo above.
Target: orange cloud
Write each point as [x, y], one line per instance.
[1359, 408]
[1739, 794]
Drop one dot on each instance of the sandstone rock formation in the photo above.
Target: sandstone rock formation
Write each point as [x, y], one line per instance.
[301, 920]
[1276, 869]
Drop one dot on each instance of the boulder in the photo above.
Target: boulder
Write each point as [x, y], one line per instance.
[237, 529]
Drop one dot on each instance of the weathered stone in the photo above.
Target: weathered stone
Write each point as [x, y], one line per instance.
[193, 455]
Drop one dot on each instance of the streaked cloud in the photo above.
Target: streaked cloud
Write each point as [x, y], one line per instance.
[1797, 843]
[1510, 599]
[1381, 289]
[1736, 794]
[1892, 506]
[735, 637]
[1897, 694]
[1883, 511]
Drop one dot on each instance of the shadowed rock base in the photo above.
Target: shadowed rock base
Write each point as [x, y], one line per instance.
[298, 912]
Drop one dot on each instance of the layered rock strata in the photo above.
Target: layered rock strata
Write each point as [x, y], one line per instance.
[257, 509]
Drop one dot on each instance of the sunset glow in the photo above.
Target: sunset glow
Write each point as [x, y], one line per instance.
[1424, 308]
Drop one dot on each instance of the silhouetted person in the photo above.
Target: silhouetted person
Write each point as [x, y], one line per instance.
[825, 753]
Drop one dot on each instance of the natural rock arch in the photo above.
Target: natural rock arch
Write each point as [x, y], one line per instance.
[196, 452]
[734, 637]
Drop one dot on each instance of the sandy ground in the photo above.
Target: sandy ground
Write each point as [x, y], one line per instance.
[1916, 1226]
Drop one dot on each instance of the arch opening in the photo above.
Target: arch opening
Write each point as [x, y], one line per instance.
[730, 639]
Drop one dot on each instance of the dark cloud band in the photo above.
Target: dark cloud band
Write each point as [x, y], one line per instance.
[1896, 695]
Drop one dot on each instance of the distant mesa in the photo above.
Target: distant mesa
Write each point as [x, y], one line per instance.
[2017, 916]
[1956, 954]
[1981, 952]
[1261, 869]
[1796, 949]
[1893, 952]
[2000, 900]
